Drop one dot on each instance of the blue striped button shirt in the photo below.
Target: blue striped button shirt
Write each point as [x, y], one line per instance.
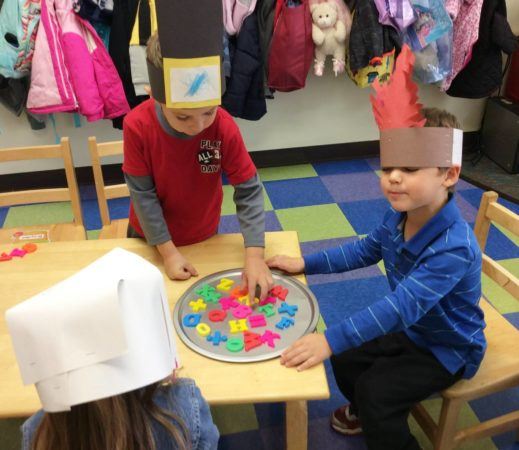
[435, 279]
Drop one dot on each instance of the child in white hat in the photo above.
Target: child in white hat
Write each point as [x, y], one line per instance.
[99, 347]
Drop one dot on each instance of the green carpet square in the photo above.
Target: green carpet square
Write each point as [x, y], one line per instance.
[512, 236]
[10, 434]
[382, 267]
[228, 206]
[287, 172]
[321, 325]
[503, 301]
[314, 223]
[466, 418]
[93, 234]
[44, 213]
[230, 419]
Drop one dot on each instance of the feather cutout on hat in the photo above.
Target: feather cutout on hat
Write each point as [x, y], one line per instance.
[395, 104]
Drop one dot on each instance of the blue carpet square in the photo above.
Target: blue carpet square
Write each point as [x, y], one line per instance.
[230, 224]
[251, 440]
[353, 187]
[118, 208]
[270, 414]
[322, 436]
[316, 246]
[374, 163]
[473, 196]
[510, 205]
[272, 438]
[297, 192]
[513, 318]
[3, 215]
[337, 167]
[468, 212]
[91, 216]
[87, 192]
[499, 246]
[318, 409]
[365, 216]
[340, 300]
[495, 405]
[463, 185]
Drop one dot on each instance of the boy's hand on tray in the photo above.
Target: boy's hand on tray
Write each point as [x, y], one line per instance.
[256, 274]
[306, 352]
[287, 263]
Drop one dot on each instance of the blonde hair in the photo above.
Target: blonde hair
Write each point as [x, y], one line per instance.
[122, 422]
[153, 53]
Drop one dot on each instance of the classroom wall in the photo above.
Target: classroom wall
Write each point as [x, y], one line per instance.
[328, 110]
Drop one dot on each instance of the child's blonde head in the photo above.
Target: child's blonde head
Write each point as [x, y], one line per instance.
[153, 51]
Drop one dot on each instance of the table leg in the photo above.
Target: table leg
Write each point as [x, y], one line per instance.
[296, 417]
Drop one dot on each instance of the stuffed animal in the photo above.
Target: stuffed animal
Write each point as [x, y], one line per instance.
[330, 30]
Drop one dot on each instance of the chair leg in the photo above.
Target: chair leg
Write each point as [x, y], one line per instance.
[447, 425]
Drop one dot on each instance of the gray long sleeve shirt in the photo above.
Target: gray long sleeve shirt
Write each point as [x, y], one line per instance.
[248, 197]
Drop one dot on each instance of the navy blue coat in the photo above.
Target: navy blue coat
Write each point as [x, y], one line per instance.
[244, 96]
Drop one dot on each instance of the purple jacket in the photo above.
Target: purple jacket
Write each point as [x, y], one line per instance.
[71, 69]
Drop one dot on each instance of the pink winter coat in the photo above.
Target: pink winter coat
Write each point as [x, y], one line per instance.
[71, 69]
[235, 12]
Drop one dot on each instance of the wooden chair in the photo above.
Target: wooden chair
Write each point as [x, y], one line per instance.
[112, 229]
[53, 232]
[500, 367]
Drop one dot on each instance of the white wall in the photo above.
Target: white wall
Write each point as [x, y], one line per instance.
[328, 110]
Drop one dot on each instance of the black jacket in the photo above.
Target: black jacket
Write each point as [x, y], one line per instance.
[265, 10]
[483, 74]
[368, 38]
[123, 20]
[244, 96]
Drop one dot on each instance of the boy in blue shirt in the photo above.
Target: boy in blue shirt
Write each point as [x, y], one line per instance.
[428, 332]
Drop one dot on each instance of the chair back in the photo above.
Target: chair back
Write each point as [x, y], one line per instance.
[69, 193]
[98, 151]
[492, 212]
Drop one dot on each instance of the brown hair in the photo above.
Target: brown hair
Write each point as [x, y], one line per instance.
[122, 422]
[440, 118]
[153, 53]
[443, 119]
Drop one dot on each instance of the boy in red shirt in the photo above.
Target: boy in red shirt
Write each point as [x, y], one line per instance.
[176, 146]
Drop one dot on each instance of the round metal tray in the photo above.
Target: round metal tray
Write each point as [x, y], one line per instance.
[305, 319]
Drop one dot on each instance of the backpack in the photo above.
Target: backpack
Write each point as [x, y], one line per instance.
[19, 21]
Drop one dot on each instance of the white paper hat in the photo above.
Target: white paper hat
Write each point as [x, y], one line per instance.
[104, 331]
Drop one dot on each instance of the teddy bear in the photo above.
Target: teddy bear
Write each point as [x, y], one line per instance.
[329, 33]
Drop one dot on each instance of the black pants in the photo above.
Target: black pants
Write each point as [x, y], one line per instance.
[383, 379]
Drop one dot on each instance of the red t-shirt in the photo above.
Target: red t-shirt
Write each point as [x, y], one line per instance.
[187, 172]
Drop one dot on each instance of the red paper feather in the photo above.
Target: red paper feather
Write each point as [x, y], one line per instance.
[395, 104]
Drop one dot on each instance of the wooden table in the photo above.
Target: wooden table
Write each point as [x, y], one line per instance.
[220, 382]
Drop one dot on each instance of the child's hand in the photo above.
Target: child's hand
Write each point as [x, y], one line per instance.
[287, 263]
[306, 352]
[256, 273]
[178, 268]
